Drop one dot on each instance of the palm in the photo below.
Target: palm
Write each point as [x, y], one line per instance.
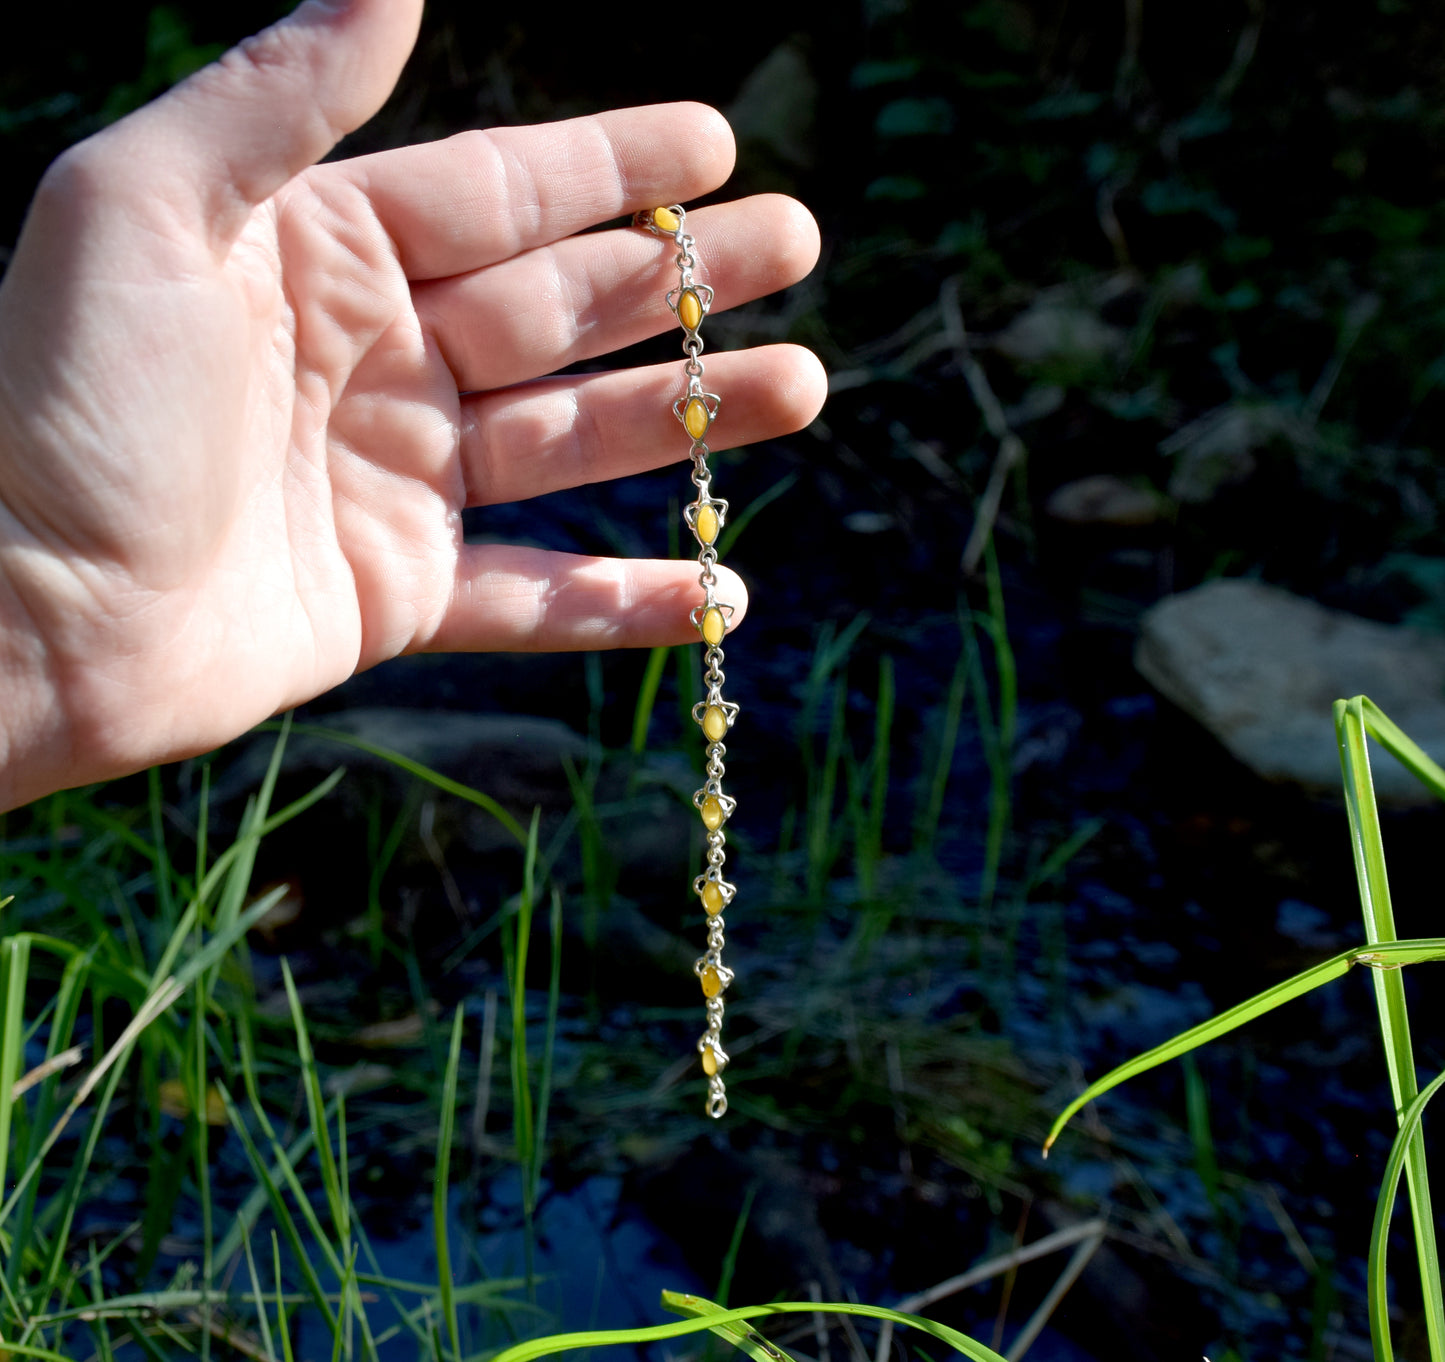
[286, 459]
[351, 519]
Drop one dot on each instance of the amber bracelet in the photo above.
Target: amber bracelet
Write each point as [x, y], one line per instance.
[705, 518]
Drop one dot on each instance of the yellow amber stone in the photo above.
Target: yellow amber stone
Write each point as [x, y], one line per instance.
[712, 813]
[712, 899]
[714, 723]
[696, 417]
[665, 220]
[689, 309]
[709, 1060]
[714, 626]
[706, 522]
[711, 982]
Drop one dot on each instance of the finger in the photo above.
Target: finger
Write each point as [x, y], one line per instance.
[231, 135]
[563, 432]
[480, 197]
[595, 293]
[513, 599]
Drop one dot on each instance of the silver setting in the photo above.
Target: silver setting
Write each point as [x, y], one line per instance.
[713, 960]
[711, 404]
[701, 292]
[724, 888]
[715, 701]
[707, 559]
[693, 509]
[713, 790]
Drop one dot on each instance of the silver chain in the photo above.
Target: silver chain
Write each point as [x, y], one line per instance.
[705, 518]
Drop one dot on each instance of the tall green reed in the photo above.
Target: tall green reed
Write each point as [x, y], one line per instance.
[1384, 954]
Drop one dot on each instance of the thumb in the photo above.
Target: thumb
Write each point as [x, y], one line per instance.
[233, 133]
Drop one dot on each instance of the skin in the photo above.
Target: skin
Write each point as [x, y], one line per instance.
[245, 397]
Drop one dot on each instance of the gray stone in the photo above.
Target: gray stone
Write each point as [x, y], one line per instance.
[1104, 499]
[1261, 669]
[1064, 326]
[1057, 331]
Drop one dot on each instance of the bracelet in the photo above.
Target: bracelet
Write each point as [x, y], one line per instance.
[705, 517]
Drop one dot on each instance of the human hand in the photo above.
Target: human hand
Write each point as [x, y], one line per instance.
[244, 397]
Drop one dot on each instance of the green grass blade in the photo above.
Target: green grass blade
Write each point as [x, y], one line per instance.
[822, 838]
[283, 1215]
[130, 984]
[111, 1068]
[216, 947]
[1206, 1160]
[441, 1183]
[698, 1321]
[1354, 719]
[738, 523]
[203, 822]
[647, 698]
[202, 1139]
[113, 1063]
[340, 1257]
[688, 685]
[1386, 958]
[262, 1322]
[523, 1130]
[380, 852]
[99, 1330]
[995, 624]
[1054, 863]
[239, 859]
[389, 1287]
[598, 872]
[871, 853]
[250, 1211]
[930, 811]
[15, 967]
[549, 1044]
[281, 1325]
[233, 866]
[30, 1350]
[136, 1304]
[739, 1334]
[441, 782]
[735, 1244]
[1378, 1277]
[68, 1000]
[316, 1109]
[1385, 732]
[344, 1346]
[165, 897]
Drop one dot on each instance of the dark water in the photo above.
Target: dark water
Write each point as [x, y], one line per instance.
[597, 1264]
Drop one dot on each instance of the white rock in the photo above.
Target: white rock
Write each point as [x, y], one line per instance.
[1261, 670]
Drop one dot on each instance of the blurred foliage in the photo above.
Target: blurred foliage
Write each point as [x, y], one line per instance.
[1199, 247]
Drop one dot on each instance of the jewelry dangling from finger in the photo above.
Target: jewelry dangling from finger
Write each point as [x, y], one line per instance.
[705, 517]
